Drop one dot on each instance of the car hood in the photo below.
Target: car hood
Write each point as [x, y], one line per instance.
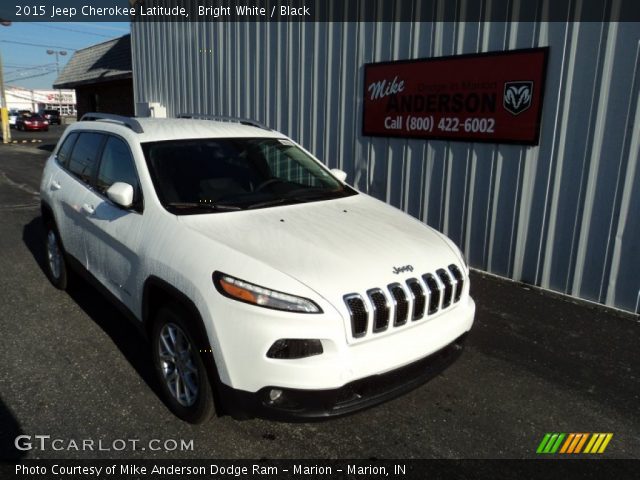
[342, 245]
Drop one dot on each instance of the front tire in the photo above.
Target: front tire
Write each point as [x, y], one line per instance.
[180, 367]
[56, 265]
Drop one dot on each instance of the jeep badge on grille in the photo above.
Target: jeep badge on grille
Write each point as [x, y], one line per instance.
[406, 268]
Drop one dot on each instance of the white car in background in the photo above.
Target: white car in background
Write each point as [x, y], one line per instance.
[13, 116]
[265, 283]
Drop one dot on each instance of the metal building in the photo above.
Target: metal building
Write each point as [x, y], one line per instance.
[564, 215]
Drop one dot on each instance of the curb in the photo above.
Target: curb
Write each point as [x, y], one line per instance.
[33, 140]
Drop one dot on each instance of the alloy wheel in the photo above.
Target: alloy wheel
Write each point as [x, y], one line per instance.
[54, 256]
[178, 364]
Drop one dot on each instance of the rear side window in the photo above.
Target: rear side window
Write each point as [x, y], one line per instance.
[84, 157]
[65, 150]
[116, 166]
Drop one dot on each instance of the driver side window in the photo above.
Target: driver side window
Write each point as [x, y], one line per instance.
[117, 165]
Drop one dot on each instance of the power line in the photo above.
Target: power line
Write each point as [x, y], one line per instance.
[37, 45]
[72, 30]
[18, 68]
[30, 76]
[18, 75]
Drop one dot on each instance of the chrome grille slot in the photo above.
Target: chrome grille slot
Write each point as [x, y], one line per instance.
[399, 297]
[448, 287]
[457, 274]
[419, 298]
[358, 313]
[403, 302]
[381, 309]
[434, 292]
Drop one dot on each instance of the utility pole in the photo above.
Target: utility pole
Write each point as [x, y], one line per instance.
[4, 111]
[56, 53]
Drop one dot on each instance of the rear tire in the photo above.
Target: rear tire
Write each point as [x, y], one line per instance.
[179, 365]
[56, 264]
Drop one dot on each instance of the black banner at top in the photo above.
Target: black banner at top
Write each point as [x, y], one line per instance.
[320, 11]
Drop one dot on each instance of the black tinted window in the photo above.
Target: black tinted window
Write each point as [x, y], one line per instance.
[237, 173]
[85, 155]
[65, 150]
[116, 166]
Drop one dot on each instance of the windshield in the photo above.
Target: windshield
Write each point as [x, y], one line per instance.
[227, 174]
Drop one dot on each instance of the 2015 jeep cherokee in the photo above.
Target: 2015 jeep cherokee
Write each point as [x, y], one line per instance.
[266, 284]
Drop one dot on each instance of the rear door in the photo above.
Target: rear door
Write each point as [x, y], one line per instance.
[70, 187]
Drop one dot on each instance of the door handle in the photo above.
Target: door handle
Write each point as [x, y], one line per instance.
[88, 209]
[55, 185]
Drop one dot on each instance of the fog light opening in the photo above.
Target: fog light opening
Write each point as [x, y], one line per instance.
[274, 395]
[295, 348]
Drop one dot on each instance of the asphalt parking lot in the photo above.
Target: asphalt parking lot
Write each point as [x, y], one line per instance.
[37, 138]
[72, 367]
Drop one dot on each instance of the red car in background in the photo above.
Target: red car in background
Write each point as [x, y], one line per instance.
[32, 122]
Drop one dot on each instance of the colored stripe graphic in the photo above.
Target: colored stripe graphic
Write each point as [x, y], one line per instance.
[550, 443]
[573, 443]
[567, 443]
[583, 439]
[555, 447]
[606, 442]
[543, 443]
[598, 442]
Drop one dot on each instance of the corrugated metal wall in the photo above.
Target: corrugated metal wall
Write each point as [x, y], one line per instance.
[564, 215]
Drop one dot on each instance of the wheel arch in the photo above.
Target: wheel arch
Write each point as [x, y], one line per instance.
[158, 292]
[47, 212]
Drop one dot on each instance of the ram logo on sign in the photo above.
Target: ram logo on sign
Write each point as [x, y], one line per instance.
[517, 96]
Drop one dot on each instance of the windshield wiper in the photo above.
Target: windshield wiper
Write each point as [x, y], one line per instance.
[316, 195]
[267, 203]
[310, 194]
[220, 207]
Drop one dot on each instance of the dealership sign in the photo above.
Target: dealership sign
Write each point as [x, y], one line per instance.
[488, 97]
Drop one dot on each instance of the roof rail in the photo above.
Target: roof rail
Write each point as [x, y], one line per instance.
[132, 123]
[243, 121]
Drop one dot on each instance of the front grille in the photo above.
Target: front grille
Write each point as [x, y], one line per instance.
[359, 314]
[448, 287]
[420, 297]
[434, 292]
[457, 274]
[401, 303]
[380, 309]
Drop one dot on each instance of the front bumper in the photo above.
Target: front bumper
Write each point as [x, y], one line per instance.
[243, 334]
[307, 405]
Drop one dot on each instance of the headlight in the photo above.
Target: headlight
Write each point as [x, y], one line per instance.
[263, 297]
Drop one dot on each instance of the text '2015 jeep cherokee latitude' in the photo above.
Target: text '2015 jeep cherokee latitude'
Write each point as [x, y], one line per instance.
[262, 279]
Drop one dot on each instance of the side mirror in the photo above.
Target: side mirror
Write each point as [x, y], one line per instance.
[339, 174]
[121, 194]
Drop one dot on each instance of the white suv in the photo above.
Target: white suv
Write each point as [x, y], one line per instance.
[266, 285]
